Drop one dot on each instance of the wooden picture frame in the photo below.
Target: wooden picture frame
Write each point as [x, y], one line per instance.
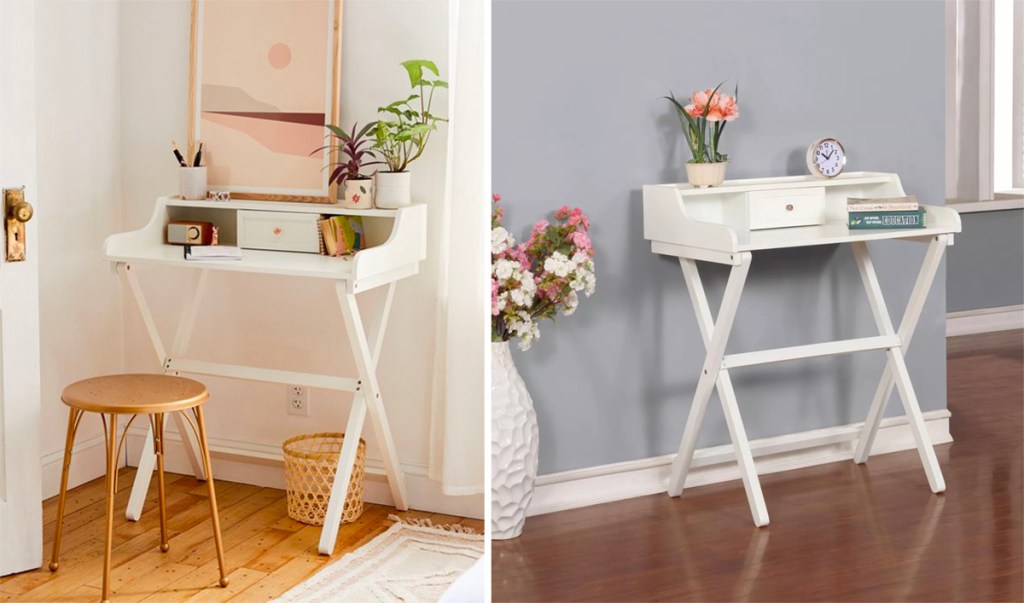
[263, 75]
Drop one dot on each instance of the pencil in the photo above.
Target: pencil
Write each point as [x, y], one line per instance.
[177, 154]
[199, 155]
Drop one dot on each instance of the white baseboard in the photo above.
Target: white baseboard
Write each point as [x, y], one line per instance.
[620, 481]
[985, 320]
[263, 465]
[88, 461]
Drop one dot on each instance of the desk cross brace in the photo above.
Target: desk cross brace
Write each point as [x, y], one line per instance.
[715, 372]
[365, 344]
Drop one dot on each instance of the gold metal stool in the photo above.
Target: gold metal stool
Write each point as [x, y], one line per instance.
[153, 396]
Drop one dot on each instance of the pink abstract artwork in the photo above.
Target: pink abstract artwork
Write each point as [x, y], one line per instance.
[265, 90]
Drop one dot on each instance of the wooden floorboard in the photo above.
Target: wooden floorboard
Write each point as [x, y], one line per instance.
[266, 552]
[838, 532]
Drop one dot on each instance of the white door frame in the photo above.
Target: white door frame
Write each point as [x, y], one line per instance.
[21, 515]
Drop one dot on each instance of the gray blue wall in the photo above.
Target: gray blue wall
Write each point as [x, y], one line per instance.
[578, 119]
[986, 265]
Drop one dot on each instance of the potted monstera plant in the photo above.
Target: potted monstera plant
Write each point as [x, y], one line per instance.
[353, 158]
[403, 131]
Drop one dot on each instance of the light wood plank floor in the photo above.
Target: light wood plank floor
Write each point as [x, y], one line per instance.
[266, 552]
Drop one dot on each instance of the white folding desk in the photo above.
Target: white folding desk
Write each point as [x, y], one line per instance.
[711, 225]
[396, 240]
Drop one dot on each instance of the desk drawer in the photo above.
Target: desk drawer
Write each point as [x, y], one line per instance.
[785, 208]
[279, 231]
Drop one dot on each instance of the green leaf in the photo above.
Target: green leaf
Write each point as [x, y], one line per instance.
[415, 69]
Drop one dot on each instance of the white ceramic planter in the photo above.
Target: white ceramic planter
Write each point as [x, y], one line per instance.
[192, 183]
[393, 189]
[514, 446]
[704, 175]
[358, 194]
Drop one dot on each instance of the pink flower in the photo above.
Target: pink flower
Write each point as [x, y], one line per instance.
[726, 110]
[580, 239]
[494, 297]
[722, 107]
[700, 101]
[496, 197]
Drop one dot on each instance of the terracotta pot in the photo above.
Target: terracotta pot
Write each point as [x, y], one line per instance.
[703, 175]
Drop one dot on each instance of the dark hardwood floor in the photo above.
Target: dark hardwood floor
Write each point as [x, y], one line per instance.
[839, 532]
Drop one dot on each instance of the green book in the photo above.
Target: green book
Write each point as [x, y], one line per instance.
[888, 219]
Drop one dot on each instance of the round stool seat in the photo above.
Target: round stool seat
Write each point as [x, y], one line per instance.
[135, 394]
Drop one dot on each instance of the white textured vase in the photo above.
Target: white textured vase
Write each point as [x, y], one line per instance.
[514, 440]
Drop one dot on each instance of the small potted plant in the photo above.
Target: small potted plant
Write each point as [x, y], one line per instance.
[353, 158]
[703, 121]
[403, 132]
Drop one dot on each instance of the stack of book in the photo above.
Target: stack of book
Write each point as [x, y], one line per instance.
[885, 212]
[212, 253]
[342, 235]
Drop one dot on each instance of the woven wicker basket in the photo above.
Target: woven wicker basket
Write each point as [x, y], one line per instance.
[310, 462]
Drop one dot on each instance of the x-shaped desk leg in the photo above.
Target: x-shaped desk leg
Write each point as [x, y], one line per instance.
[147, 458]
[896, 368]
[714, 374]
[366, 351]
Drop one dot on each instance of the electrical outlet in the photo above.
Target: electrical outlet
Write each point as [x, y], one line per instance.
[298, 400]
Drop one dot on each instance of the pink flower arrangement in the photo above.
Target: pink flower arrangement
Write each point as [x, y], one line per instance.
[540, 278]
[703, 121]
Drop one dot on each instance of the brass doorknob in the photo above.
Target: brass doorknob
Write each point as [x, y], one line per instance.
[22, 211]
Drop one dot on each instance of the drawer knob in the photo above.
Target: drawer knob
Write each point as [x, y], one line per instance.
[789, 207]
[277, 230]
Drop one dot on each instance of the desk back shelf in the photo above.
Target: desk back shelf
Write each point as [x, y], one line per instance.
[396, 240]
[711, 223]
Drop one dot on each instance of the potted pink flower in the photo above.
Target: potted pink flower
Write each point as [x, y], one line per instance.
[530, 282]
[703, 121]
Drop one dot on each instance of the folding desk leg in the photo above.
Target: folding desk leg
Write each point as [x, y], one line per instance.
[932, 261]
[363, 356]
[147, 459]
[709, 376]
[181, 340]
[339, 489]
[748, 472]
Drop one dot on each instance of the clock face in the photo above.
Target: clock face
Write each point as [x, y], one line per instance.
[826, 157]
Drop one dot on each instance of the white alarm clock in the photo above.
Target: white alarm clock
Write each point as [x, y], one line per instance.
[826, 158]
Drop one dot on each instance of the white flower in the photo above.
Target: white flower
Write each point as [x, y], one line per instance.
[504, 269]
[500, 240]
[571, 302]
[558, 264]
[521, 297]
[591, 284]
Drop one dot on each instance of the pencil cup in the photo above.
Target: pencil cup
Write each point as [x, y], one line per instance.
[192, 183]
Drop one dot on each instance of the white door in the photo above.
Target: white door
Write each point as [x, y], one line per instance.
[21, 515]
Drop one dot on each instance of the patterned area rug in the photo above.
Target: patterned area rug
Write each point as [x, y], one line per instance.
[413, 562]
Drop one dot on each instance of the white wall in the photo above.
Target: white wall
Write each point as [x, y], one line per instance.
[282, 322]
[79, 175]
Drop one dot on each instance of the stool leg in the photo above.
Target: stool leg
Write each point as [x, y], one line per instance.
[110, 431]
[73, 414]
[205, 449]
[158, 445]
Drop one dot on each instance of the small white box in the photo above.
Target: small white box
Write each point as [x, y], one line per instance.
[279, 231]
[785, 208]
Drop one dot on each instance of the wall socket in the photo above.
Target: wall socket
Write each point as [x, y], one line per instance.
[298, 400]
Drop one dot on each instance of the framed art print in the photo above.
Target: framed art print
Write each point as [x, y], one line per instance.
[263, 83]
